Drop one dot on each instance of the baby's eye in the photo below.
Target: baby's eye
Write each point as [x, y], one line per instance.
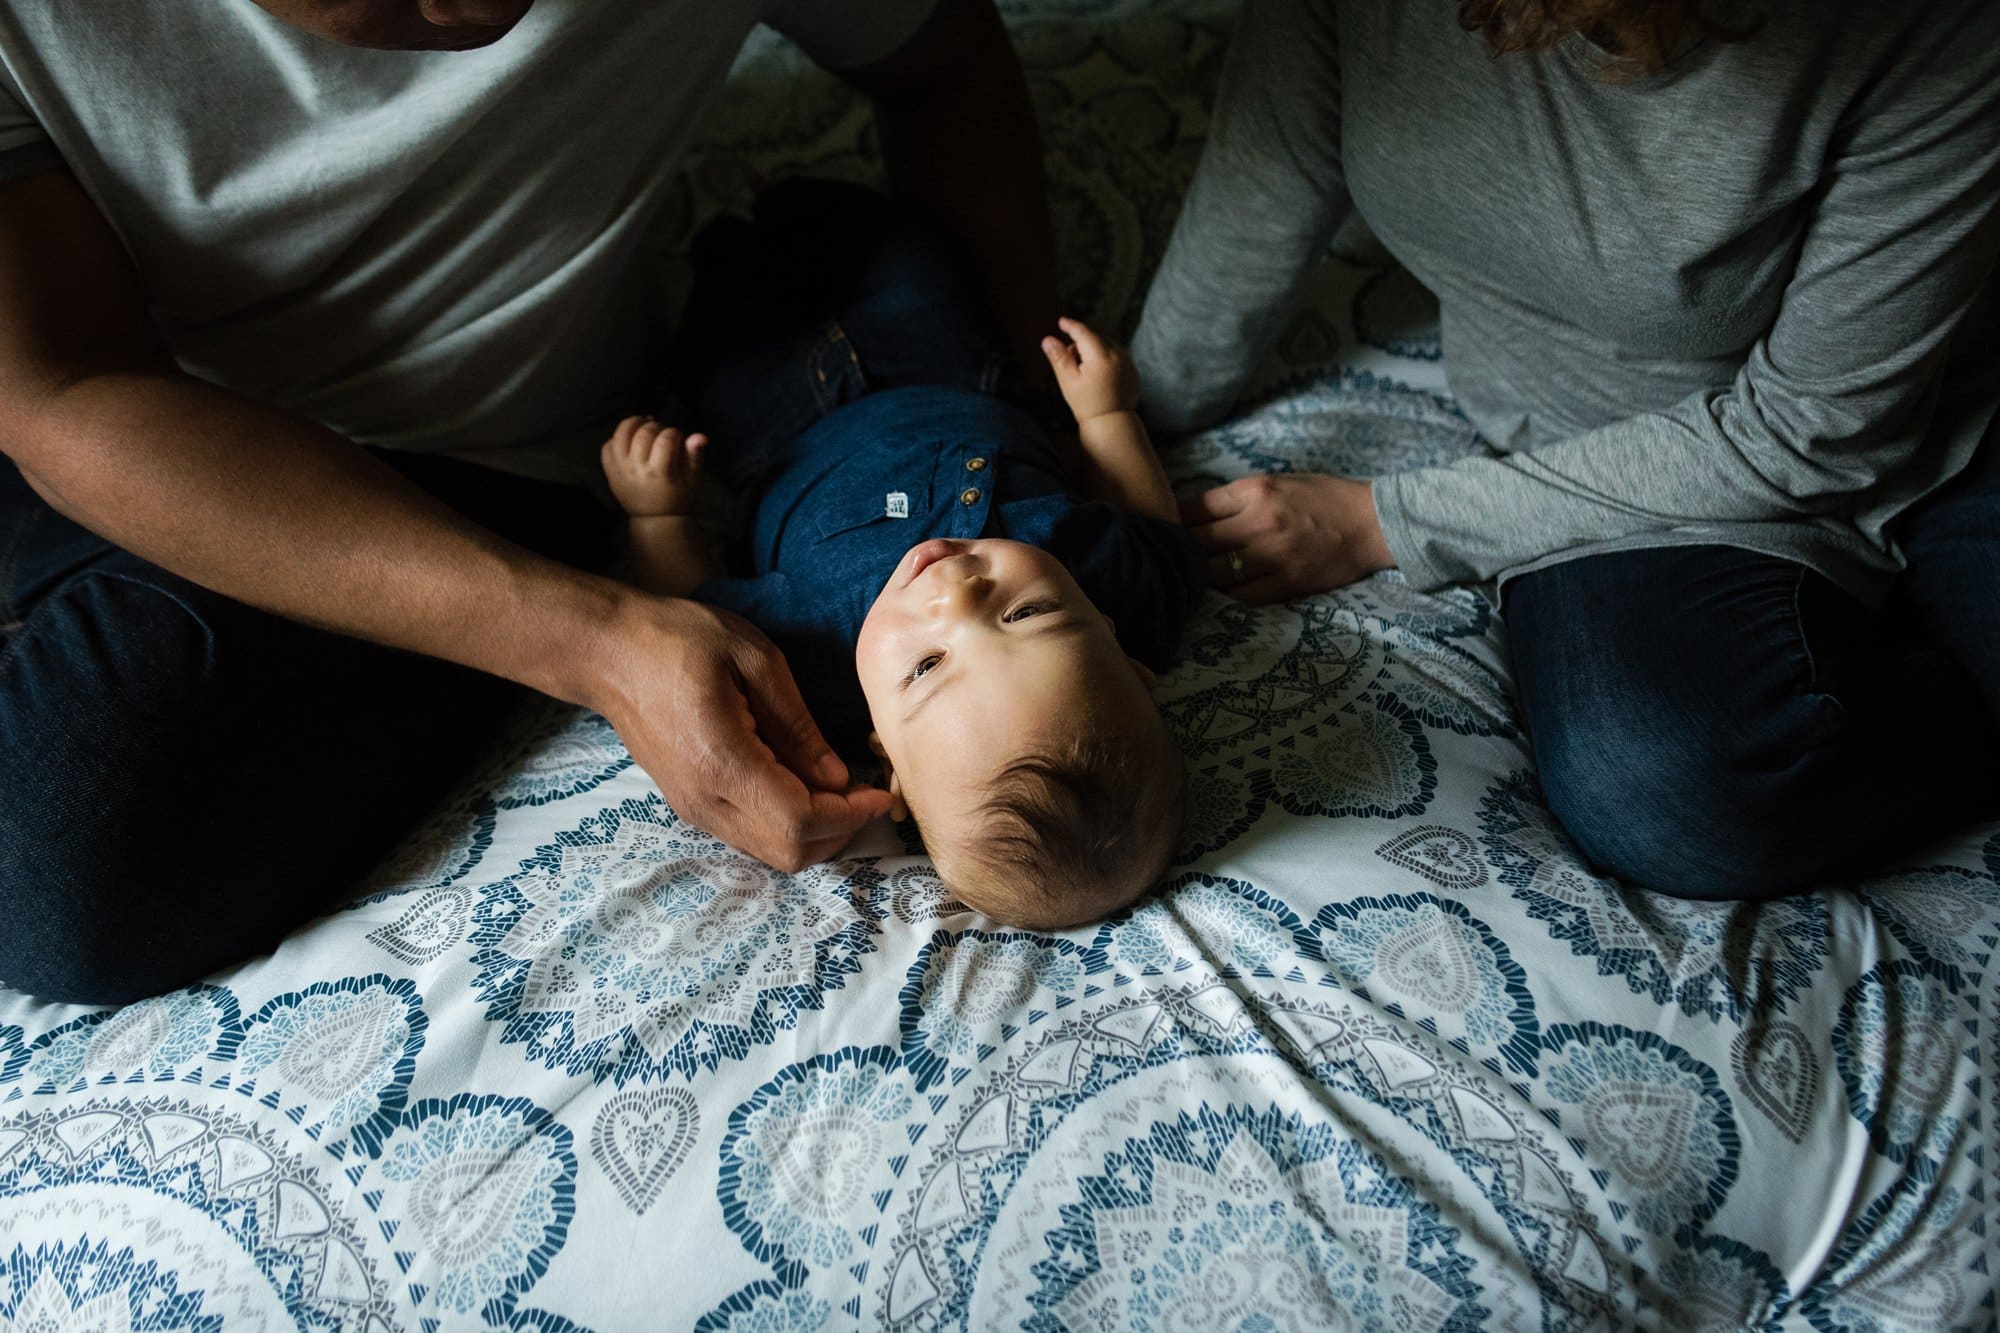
[1023, 612]
[925, 664]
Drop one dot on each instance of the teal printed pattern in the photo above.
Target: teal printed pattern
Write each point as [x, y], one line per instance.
[1380, 1052]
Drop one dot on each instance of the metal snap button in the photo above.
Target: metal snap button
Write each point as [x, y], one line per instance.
[969, 496]
[974, 464]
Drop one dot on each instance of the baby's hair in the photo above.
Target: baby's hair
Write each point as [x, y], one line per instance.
[1078, 832]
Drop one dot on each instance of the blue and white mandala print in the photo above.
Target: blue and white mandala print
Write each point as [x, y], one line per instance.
[1655, 1119]
[1429, 958]
[1355, 423]
[178, 1212]
[629, 948]
[970, 994]
[1229, 1219]
[801, 1155]
[1204, 921]
[1910, 1260]
[1670, 950]
[478, 1193]
[576, 751]
[162, 1038]
[1943, 915]
[1906, 1055]
[330, 1053]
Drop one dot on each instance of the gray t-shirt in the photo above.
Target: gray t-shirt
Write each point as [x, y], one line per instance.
[1746, 302]
[421, 250]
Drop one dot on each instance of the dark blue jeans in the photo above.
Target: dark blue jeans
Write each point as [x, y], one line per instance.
[183, 779]
[1713, 723]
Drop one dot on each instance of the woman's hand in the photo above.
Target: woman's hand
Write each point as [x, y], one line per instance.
[1274, 537]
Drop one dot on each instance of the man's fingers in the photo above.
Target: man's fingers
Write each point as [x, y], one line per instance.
[844, 814]
[1218, 502]
[785, 724]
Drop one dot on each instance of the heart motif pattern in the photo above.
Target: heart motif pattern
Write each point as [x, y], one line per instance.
[432, 924]
[1779, 1074]
[1444, 856]
[641, 1138]
[1642, 1130]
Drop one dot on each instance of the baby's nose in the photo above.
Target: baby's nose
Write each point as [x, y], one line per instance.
[960, 594]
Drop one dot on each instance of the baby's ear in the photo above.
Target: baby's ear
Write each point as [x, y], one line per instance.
[899, 809]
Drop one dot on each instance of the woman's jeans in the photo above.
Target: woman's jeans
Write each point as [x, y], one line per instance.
[183, 779]
[1713, 723]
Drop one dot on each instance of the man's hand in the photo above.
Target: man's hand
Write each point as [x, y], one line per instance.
[709, 709]
[1271, 538]
[1096, 377]
[653, 469]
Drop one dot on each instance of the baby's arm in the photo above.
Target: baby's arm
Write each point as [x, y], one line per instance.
[1102, 388]
[653, 470]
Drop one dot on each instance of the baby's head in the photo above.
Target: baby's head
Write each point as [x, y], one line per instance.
[1017, 732]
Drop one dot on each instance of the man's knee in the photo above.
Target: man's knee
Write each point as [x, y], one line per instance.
[80, 931]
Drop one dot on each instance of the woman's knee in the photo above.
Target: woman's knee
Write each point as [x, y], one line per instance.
[1690, 819]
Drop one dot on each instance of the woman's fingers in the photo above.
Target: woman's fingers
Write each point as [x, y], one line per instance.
[1230, 567]
[1227, 534]
[1209, 506]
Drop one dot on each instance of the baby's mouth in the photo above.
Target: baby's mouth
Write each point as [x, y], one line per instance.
[925, 554]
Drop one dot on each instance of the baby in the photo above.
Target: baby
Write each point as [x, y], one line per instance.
[893, 513]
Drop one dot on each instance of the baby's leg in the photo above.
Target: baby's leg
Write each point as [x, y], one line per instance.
[744, 356]
[831, 292]
[900, 288]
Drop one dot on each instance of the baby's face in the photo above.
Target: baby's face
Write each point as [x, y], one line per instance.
[975, 654]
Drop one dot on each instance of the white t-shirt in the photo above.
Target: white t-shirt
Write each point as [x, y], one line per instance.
[422, 250]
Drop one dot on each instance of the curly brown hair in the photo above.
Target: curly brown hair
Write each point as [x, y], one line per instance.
[1638, 37]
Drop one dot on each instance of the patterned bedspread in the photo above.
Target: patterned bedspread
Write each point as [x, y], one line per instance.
[1384, 1054]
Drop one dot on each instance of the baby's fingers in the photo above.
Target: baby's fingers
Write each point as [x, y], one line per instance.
[1090, 347]
[627, 431]
[693, 449]
[1062, 356]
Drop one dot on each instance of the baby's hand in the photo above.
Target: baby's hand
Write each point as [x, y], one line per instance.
[1095, 377]
[652, 468]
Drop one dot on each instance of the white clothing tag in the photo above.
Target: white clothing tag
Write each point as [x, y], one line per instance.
[897, 504]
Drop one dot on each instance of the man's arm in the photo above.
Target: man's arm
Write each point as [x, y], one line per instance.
[289, 517]
[960, 141]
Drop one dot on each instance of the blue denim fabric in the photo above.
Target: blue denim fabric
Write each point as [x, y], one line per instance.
[843, 363]
[1714, 723]
[183, 779]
